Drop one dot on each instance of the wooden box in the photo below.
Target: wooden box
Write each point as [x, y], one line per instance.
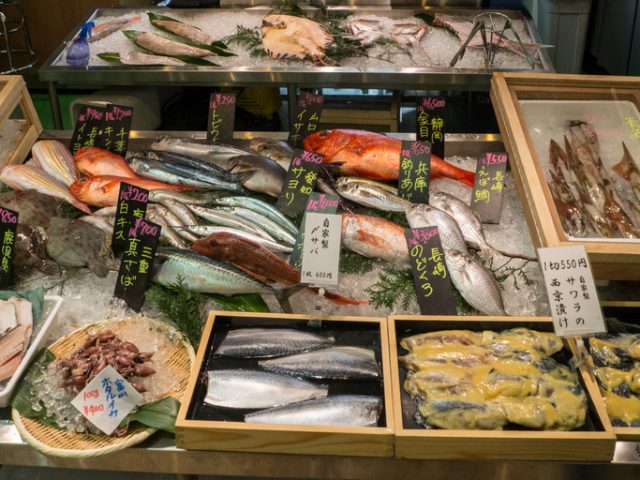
[594, 441]
[201, 427]
[529, 107]
[20, 126]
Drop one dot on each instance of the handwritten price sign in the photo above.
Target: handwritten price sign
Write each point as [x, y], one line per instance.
[307, 117]
[132, 204]
[8, 228]
[222, 114]
[415, 164]
[431, 123]
[488, 187]
[299, 183]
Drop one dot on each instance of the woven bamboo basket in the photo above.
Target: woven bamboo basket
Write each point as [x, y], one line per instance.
[62, 443]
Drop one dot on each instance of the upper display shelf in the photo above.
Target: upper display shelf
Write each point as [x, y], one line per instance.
[379, 47]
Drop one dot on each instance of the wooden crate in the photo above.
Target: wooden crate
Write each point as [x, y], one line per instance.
[14, 94]
[413, 441]
[240, 436]
[609, 260]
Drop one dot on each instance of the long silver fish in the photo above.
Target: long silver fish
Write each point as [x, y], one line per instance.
[206, 230]
[219, 154]
[202, 274]
[476, 285]
[259, 174]
[336, 363]
[167, 233]
[227, 219]
[189, 163]
[422, 215]
[173, 221]
[274, 229]
[343, 181]
[270, 342]
[372, 196]
[259, 206]
[180, 210]
[339, 410]
[256, 389]
[27, 177]
[55, 159]
[159, 195]
[163, 46]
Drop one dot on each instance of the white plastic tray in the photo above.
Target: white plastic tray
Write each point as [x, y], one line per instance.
[40, 327]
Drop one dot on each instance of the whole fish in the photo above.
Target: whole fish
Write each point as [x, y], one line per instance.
[30, 251]
[335, 363]
[227, 219]
[338, 410]
[172, 220]
[160, 195]
[422, 215]
[373, 155]
[105, 29]
[141, 58]
[476, 285]
[206, 230]
[259, 206]
[372, 196]
[163, 46]
[192, 163]
[183, 30]
[167, 232]
[102, 190]
[219, 154]
[273, 228]
[180, 210]
[374, 237]
[256, 389]
[202, 274]
[277, 150]
[55, 158]
[287, 36]
[73, 243]
[270, 342]
[26, 177]
[98, 161]
[259, 174]
[33, 207]
[106, 211]
[343, 181]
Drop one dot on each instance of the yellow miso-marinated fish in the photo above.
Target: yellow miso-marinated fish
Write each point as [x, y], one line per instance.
[488, 380]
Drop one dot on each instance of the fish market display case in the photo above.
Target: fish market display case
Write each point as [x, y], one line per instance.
[203, 427]
[600, 120]
[594, 441]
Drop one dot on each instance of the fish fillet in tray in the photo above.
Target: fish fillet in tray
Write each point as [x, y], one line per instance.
[278, 383]
[592, 440]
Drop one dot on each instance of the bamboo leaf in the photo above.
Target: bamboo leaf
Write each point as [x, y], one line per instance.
[160, 414]
[110, 57]
[250, 302]
[131, 34]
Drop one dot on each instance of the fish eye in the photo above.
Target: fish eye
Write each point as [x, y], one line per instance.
[83, 180]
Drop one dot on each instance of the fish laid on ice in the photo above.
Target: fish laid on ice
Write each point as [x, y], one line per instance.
[33, 207]
[181, 29]
[167, 232]
[277, 150]
[163, 46]
[263, 223]
[259, 174]
[256, 389]
[335, 363]
[219, 154]
[628, 170]
[338, 410]
[98, 161]
[141, 58]
[14, 343]
[73, 243]
[30, 250]
[367, 31]
[422, 215]
[160, 195]
[105, 29]
[266, 209]
[55, 158]
[371, 196]
[206, 230]
[180, 210]
[374, 237]
[201, 274]
[27, 177]
[286, 36]
[270, 342]
[172, 220]
[228, 219]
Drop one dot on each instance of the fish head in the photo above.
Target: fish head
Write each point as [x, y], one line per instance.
[80, 188]
[275, 21]
[419, 215]
[457, 259]
[326, 142]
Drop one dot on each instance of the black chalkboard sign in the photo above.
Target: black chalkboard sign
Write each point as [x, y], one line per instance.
[415, 165]
[116, 128]
[222, 113]
[307, 118]
[89, 128]
[488, 186]
[431, 123]
[8, 227]
[132, 204]
[300, 181]
[136, 267]
[430, 274]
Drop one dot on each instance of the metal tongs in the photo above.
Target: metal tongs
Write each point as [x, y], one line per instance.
[485, 23]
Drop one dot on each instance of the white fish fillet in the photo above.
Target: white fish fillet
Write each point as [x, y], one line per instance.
[164, 46]
[139, 58]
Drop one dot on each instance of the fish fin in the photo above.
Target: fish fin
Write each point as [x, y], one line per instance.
[342, 300]
[99, 266]
[49, 267]
[81, 206]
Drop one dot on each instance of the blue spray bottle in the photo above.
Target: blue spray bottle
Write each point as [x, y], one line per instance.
[78, 53]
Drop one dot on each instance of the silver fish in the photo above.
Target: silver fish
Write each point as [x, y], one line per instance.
[259, 174]
[270, 342]
[189, 163]
[167, 233]
[184, 30]
[206, 230]
[163, 46]
[277, 150]
[274, 229]
[227, 219]
[55, 159]
[173, 221]
[336, 363]
[180, 210]
[106, 211]
[219, 154]
[421, 215]
[159, 195]
[343, 181]
[372, 196]
[259, 206]
[339, 410]
[256, 389]
[476, 285]
[202, 274]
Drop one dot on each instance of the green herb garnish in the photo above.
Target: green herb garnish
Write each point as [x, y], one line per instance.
[351, 262]
[394, 285]
[250, 38]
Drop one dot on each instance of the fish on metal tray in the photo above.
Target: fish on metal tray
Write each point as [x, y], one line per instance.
[55, 158]
[248, 389]
[338, 410]
[30, 250]
[270, 342]
[286, 36]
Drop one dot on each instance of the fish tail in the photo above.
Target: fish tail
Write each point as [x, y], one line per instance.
[341, 300]
[49, 267]
[81, 206]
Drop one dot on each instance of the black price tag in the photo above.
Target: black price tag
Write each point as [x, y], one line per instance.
[136, 267]
[430, 274]
[317, 203]
[415, 165]
[488, 187]
[222, 113]
[307, 118]
[88, 129]
[300, 181]
[430, 123]
[116, 128]
[8, 227]
[132, 204]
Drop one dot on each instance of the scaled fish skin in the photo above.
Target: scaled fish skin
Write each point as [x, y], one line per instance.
[98, 161]
[55, 159]
[277, 150]
[270, 342]
[218, 154]
[374, 237]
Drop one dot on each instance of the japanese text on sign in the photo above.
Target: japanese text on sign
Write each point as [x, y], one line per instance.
[132, 204]
[321, 249]
[88, 128]
[107, 400]
[572, 293]
[430, 123]
[299, 183]
[415, 163]
[8, 228]
[307, 117]
[488, 187]
[222, 108]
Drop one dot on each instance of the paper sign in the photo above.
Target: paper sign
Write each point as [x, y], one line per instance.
[575, 307]
[430, 274]
[8, 228]
[136, 267]
[88, 129]
[307, 118]
[116, 128]
[222, 114]
[488, 187]
[299, 183]
[107, 400]
[317, 203]
[132, 204]
[430, 123]
[415, 163]
[321, 249]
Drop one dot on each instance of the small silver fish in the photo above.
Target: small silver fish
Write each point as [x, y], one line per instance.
[159, 195]
[270, 342]
[206, 230]
[167, 232]
[422, 215]
[264, 223]
[228, 219]
[372, 196]
[259, 206]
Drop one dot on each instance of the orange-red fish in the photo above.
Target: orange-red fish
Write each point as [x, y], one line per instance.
[102, 190]
[373, 155]
[98, 161]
